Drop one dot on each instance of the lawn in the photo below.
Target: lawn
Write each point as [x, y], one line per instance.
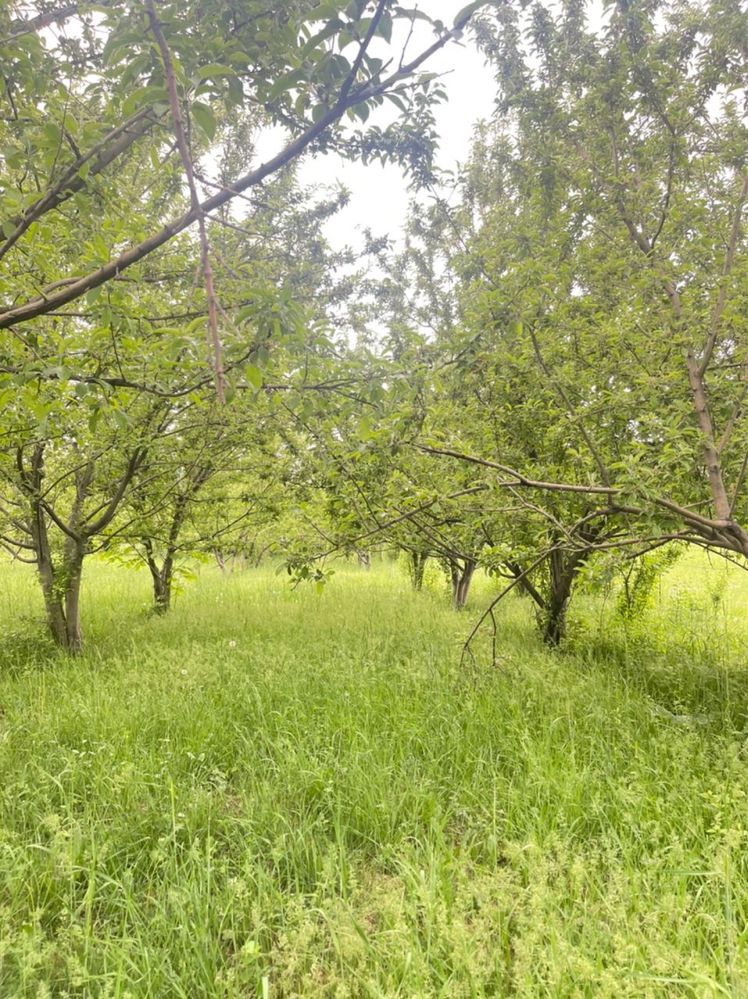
[281, 793]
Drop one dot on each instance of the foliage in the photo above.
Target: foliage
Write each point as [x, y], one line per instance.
[638, 580]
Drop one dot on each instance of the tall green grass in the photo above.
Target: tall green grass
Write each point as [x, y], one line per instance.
[276, 793]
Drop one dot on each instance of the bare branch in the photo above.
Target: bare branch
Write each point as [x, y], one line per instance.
[519, 478]
[186, 157]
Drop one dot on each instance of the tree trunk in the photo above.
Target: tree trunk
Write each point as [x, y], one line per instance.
[55, 612]
[60, 584]
[161, 592]
[161, 577]
[563, 572]
[73, 576]
[364, 559]
[61, 590]
[417, 566]
[260, 553]
[554, 629]
[462, 577]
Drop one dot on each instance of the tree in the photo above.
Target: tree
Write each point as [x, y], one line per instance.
[311, 68]
[120, 104]
[630, 147]
[599, 257]
[61, 491]
[202, 485]
[491, 389]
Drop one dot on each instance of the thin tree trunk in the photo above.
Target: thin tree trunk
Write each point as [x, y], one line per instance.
[55, 612]
[163, 604]
[417, 566]
[259, 554]
[554, 630]
[60, 585]
[161, 590]
[711, 456]
[61, 591]
[73, 578]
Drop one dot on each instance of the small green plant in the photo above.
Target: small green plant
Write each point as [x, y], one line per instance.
[640, 576]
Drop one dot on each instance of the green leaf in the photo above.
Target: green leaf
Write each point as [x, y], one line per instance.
[364, 429]
[285, 83]
[329, 8]
[384, 28]
[467, 12]
[144, 97]
[51, 135]
[205, 118]
[315, 41]
[215, 71]
[254, 377]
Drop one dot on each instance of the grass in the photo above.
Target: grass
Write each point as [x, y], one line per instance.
[276, 793]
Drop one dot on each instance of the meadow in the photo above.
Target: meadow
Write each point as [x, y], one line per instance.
[275, 792]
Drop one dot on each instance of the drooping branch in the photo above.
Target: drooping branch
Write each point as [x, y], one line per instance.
[489, 611]
[518, 478]
[722, 531]
[408, 515]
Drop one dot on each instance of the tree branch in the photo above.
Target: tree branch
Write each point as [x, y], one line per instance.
[102, 154]
[189, 170]
[74, 288]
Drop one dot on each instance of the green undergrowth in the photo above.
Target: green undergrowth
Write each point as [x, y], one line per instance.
[280, 793]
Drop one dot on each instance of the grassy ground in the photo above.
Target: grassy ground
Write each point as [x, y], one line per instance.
[275, 793]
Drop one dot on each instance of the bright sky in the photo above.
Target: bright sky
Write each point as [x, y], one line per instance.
[379, 195]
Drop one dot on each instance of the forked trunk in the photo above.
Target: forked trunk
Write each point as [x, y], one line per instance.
[161, 593]
[462, 577]
[62, 605]
[161, 578]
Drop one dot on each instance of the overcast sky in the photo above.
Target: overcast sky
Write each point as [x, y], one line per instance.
[379, 195]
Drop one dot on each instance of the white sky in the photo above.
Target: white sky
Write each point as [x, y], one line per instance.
[379, 195]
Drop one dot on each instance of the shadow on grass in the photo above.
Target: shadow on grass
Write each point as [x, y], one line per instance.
[29, 649]
[679, 677]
